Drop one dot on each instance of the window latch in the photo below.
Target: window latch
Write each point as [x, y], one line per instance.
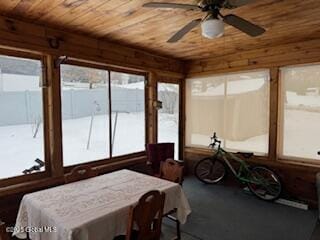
[60, 60]
[157, 105]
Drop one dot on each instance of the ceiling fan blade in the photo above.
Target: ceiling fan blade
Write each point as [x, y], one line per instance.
[183, 31]
[171, 5]
[243, 25]
[238, 3]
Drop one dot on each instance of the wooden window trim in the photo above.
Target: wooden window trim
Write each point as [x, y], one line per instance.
[146, 114]
[280, 140]
[102, 66]
[275, 125]
[178, 81]
[262, 160]
[20, 53]
[272, 107]
[274, 114]
[46, 142]
[108, 161]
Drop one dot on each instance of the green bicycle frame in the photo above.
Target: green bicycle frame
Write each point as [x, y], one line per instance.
[244, 174]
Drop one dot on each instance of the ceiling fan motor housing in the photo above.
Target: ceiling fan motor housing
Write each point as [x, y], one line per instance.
[213, 23]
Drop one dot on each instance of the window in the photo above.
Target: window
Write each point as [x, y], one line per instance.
[236, 106]
[300, 112]
[86, 114]
[128, 113]
[21, 118]
[168, 116]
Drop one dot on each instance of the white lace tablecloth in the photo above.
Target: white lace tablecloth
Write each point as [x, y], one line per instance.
[93, 209]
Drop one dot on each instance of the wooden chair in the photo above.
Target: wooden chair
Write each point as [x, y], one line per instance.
[3, 233]
[172, 170]
[157, 153]
[160, 155]
[79, 173]
[147, 217]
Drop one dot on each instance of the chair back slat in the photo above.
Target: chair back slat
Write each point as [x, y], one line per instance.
[80, 173]
[147, 216]
[171, 170]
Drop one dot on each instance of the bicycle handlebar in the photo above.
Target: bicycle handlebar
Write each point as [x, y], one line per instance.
[215, 140]
[214, 136]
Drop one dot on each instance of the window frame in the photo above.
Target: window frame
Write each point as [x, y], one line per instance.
[146, 115]
[109, 69]
[281, 121]
[180, 84]
[267, 70]
[45, 114]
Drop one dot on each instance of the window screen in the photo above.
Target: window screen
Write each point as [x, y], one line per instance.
[85, 114]
[300, 112]
[21, 115]
[236, 106]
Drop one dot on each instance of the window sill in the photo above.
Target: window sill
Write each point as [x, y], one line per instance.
[312, 164]
[131, 158]
[301, 164]
[26, 187]
[47, 182]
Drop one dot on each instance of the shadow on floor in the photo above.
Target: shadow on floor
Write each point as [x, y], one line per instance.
[227, 213]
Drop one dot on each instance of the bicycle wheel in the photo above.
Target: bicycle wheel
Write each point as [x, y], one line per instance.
[265, 184]
[210, 170]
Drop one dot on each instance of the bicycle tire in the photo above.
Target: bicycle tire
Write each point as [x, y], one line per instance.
[211, 162]
[265, 193]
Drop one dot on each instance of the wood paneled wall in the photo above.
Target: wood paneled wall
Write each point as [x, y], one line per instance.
[32, 39]
[278, 56]
[298, 177]
[18, 34]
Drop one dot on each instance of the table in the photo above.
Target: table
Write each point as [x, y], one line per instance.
[93, 209]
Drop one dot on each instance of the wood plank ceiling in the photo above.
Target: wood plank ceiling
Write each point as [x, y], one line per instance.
[126, 22]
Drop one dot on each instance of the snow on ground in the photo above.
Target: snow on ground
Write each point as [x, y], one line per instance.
[75, 139]
[18, 149]
[302, 100]
[302, 134]
[168, 130]
[21, 149]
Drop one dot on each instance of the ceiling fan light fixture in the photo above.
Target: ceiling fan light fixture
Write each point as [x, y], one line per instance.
[212, 28]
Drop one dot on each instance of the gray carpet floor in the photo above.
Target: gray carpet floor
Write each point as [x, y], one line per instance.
[227, 213]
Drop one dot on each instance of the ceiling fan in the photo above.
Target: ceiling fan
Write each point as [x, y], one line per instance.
[212, 24]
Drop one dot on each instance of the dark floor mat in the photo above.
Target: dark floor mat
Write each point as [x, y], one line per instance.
[226, 213]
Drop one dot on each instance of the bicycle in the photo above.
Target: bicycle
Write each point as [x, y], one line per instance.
[262, 182]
